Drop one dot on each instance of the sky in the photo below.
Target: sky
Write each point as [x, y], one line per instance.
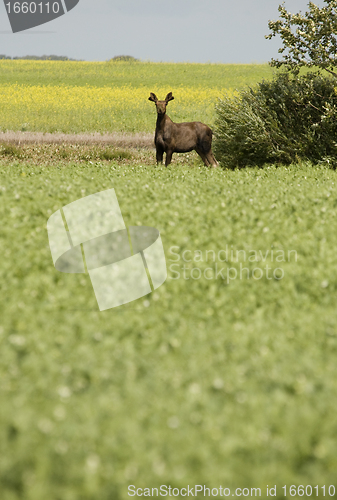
[217, 31]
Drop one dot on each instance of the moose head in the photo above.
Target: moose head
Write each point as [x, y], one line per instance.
[161, 105]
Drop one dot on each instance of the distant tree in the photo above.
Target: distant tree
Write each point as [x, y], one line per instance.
[123, 58]
[309, 40]
[45, 58]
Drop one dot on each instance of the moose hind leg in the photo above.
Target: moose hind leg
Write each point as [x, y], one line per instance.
[203, 156]
[211, 159]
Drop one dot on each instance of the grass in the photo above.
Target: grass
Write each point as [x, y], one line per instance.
[213, 379]
[53, 154]
[76, 97]
[10, 150]
[137, 75]
[201, 382]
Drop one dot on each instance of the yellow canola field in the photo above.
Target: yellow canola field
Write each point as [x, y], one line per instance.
[65, 108]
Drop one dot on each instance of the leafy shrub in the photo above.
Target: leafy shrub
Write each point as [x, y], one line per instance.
[279, 121]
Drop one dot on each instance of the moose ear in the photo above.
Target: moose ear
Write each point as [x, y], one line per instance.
[169, 97]
[153, 97]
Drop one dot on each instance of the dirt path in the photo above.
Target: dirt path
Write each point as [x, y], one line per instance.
[117, 139]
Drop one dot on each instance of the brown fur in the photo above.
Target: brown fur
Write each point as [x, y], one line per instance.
[173, 137]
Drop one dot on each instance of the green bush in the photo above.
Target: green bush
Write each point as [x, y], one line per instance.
[279, 121]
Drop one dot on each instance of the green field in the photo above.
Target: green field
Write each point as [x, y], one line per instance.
[135, 74]
[211, 381]
[77, 97]
[226, 375]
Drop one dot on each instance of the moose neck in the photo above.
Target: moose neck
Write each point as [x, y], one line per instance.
[161, 118]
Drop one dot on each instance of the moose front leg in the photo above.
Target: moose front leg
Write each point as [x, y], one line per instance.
[159, 155]
[168, 158]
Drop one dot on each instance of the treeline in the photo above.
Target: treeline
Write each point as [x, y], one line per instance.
[40, 58]
[65, 58]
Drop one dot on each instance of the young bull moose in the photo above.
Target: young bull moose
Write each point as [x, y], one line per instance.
[173, 137]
